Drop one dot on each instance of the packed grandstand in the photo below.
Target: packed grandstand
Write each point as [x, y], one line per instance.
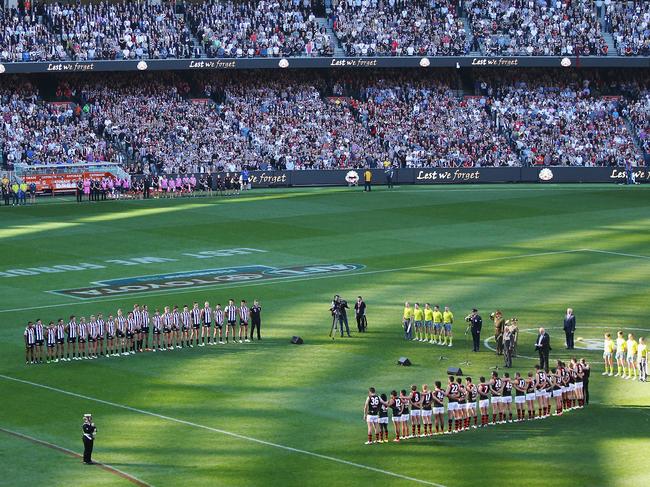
[59, 31]
[205, 121]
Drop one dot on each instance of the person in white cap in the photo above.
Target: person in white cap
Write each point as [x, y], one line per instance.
[89, 431]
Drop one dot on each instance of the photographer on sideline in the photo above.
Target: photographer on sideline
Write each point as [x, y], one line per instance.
[338, 312]
[475, 324]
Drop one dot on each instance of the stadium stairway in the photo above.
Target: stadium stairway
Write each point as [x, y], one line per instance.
[338, 50]
[609, 39]
[470, 37]
[195, 41]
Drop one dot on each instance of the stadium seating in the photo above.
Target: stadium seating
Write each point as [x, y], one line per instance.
[207, 121]
[274, 28]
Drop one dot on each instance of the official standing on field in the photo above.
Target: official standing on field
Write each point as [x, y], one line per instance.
[360, 314]
[569, 328]
[543, 346]
[475, 323]
[256, 318]
[89, 430]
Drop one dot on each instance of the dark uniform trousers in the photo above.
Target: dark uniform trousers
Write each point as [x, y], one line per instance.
[256, 321]
[255, 325]
[88, 430]
[476, 338]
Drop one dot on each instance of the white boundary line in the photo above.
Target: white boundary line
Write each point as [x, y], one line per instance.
[622, 254]
[60, 448]
[283, 280]
[224, 432]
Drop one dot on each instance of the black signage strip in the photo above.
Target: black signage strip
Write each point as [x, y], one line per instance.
[462, 175]
[323, 62]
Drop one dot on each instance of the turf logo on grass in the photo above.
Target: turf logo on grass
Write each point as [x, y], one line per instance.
[199, 278]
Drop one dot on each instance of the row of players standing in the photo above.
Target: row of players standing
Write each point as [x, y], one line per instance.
[171, 329]
[163, 186]
[567, 384]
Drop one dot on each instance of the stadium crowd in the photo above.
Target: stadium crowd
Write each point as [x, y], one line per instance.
[399, 28]
[536, 28]
[563, 122]
[266, 28]
[59, 31]
[629, 22]
[170, 124]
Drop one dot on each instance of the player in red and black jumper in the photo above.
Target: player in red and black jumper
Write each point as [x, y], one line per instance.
[461, 411]
[452, 403]
[383, 419]
[416, 411]
[395, 403]
[520, 396]
[484, 401]
[426, 399]
[472, 396]
[439, 407]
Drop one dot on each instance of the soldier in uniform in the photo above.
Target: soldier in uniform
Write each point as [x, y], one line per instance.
[499, 325]
[89, 430]
[509, 341]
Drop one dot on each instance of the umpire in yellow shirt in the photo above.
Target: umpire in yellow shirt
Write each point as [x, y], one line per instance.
[407, 321]
[367, 179]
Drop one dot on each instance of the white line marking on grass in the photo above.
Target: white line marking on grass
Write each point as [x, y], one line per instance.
[622, 254]
[224, 432]
[296, 279]
[103, 466]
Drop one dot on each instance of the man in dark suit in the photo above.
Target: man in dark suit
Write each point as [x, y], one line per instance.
[360, 314]
[569, 327]
[543, 346]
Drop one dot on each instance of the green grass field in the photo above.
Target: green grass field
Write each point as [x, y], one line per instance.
[272, 413]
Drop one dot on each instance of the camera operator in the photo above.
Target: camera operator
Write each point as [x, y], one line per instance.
[338, 312]
[475, 324]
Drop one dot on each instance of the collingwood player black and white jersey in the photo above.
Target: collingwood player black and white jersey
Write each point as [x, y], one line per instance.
[110, 328]
[207, 315]
[72, 331]
[243, 314]
[156, 324]
[38, 333]
[231, 313]
[51, 336]
[60, 333]
[186, 320]
[196, 316]
[101, 328]
[218, 316]
[30, 336]
[176, 320]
